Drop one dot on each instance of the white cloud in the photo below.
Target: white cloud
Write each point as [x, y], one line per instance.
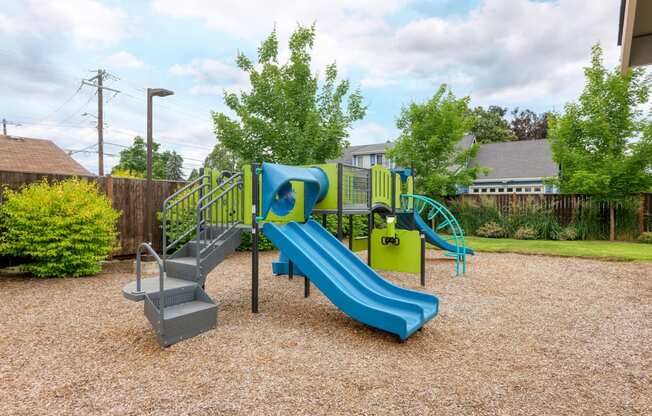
[370, 132]
[211, 77]
[518, 50]
[124, 59]
[87, 22]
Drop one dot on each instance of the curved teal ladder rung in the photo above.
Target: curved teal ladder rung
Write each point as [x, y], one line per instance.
[419, 202]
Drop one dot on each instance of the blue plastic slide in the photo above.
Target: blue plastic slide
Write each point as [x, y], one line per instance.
[435, 239]
[348, 282]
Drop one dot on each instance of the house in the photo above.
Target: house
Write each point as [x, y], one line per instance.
[366, 155]
[515, 167]
[22, 154]
[635, 33]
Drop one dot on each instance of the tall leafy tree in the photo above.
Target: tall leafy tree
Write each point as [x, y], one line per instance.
[289, 115]
[528, 125]
[430, 136]
[490, 125]
[133, 162]
[603, 142]
[220, 158]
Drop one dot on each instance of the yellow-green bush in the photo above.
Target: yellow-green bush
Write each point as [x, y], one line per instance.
[61, 229]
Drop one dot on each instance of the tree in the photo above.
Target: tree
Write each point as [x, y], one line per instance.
[133, 162]
[490, 125]
[603, 142]
[220, 158]
[174, 166]
[194, 174]
[528, 125]
[286, 117]
[429, 140]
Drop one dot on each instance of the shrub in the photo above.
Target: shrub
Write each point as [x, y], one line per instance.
[491, 230]
[645, 238]
[525, 233]
[63, 229]
[471, 215]
[568, 233]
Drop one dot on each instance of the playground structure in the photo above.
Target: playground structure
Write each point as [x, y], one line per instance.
[203, 222]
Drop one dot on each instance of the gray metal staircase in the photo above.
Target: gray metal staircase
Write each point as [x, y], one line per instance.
[202, 225]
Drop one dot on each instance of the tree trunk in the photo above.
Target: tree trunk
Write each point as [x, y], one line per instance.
[612, 222]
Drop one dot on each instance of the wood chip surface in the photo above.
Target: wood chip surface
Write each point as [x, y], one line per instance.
[518, 335]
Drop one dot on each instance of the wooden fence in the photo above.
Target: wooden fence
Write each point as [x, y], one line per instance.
[564, 207]
[127, 196]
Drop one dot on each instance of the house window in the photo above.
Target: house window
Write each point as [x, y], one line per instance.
[510, 189]
[501, 189]
[492, 190]
[519, 189]
[484, 190]
[476, 190]
[537, 189]
[372, 160]
[379, 158]
[528, 189]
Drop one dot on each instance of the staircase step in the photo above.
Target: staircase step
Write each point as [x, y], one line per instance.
[183, 320]
[150, 285]
[190, 261]
[187, 308]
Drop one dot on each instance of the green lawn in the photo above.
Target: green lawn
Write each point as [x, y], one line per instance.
[606, 250]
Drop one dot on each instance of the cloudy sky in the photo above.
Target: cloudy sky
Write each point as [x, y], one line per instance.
[505, 52]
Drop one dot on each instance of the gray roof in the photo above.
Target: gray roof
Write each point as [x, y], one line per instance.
[365, 149]
[518, 159]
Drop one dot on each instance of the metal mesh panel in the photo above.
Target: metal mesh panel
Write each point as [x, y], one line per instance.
[355, 187]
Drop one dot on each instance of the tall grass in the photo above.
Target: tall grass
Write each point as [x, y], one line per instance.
[590, 219]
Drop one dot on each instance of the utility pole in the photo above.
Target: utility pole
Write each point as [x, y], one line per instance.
[98, 82]
[100, 124]
[4, 125]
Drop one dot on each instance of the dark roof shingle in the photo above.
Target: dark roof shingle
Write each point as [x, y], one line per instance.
[519, 159]
[22, 154]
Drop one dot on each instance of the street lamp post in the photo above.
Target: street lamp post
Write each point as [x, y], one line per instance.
[151, 92]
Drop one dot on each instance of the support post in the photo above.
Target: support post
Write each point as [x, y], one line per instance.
[370, 216]
[290, 270]
[393, 193]
[254, 238]
[351, 232]
[370, 227]
[423, 259]
[306, 287]
[340, 177]
[324, 220]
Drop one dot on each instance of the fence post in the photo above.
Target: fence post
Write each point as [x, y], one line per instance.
[641, 214]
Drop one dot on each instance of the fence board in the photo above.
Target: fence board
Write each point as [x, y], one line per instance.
[564, 207]
[127, 196]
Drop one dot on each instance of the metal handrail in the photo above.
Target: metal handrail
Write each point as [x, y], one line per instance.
[218, 187]
[167, 206]
[203, 207]
[161, 269]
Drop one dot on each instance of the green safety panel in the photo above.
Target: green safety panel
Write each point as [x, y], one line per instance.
[405, 257]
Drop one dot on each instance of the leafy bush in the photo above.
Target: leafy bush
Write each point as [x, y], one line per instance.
[541, 220]
[263, 242]
[525, 233]
[63, 229]
[472, 215]
[568, 233]
[491, 230]
[645, 238]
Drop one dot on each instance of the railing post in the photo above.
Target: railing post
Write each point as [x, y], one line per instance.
[340, 177]
[254, 238]
[423, 259]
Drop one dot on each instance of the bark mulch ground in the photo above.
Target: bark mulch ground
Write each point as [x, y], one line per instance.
[518, 335]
